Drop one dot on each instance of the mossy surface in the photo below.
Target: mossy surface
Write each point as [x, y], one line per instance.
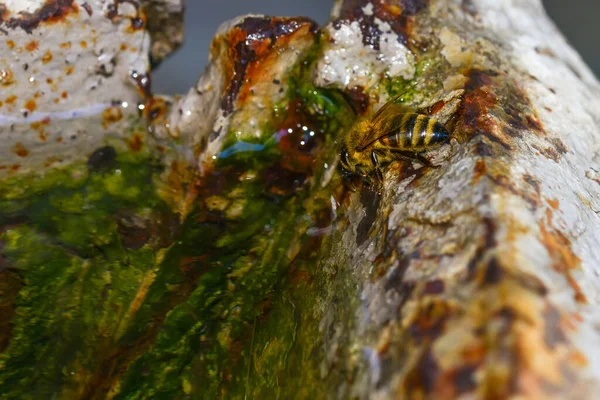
[113, 296]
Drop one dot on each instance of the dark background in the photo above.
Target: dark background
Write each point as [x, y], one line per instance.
[579, 20]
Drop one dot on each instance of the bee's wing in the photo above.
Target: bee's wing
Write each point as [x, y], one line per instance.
[387, 120]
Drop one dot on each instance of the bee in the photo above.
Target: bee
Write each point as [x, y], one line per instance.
[391, 134]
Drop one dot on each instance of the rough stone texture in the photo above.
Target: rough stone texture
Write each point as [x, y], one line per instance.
[245, 80]
[477, 278]
[73, 74]
[480, 277]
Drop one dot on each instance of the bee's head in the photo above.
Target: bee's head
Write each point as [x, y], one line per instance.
[353, 162]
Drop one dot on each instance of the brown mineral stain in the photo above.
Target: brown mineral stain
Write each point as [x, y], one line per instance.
[30, 105]
[534, 123]
[51, 160]
[47, 57]
[15, 167]
[64, 95]
[32, 46]
[136, 142]
[559, 145]
[59, 139]
[111, 115]
[479, 170]
[20, 150]
[69, 69]
[553, 203]
[83, 44]
[1, 103]
[578, 359]
[477, 102]
[155, 108]
[11, 99]
[37, 95]
[437, 107]
[548, 152]
[10, 44]
[52, 11]
[564, 260]
[65, 45]
[123, 47]
[252, 47]
[49, 81]
[434, 287]
[38, 124]
[136, 23]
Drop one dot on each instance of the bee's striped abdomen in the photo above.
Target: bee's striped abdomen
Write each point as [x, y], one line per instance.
[415, 132]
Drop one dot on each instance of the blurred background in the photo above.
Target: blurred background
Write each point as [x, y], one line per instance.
[577, 19]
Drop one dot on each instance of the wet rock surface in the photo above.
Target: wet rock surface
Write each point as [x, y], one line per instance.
[214, 249]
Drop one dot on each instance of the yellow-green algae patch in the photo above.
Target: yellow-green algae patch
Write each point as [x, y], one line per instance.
[119, 298]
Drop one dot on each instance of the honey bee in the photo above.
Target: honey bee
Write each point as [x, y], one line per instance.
[391, 134]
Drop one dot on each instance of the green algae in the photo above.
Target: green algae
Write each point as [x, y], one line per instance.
[61, 237]
[121, 299]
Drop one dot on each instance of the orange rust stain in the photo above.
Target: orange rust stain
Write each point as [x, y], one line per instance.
[32, 46]
[266, 55]
[515, 230]
[20, 150]
[434, 109]
[136, 142]
[38, 124]
[65, 45]
[47, 57]
[15, 167]
[160, 148]
[64, 95]
[49, 81]
[31, 105]
[553, 203]
[479, 170]
[6, 77]
[578, 359]
[59, 139]
[1, 103]
[69, 70]
[123, 47]
[83, 44]
[56, 101]
[51, 160]
[10, 44]
[37, 94]
[564, 260]
[111, 115]
[11, 99]
[42, 135]
[137, 23]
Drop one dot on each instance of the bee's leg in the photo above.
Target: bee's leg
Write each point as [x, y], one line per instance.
[378, 173]
[416, 156]
[424, 161]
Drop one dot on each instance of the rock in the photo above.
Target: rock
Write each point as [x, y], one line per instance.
[260, 271]
[67, 91]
